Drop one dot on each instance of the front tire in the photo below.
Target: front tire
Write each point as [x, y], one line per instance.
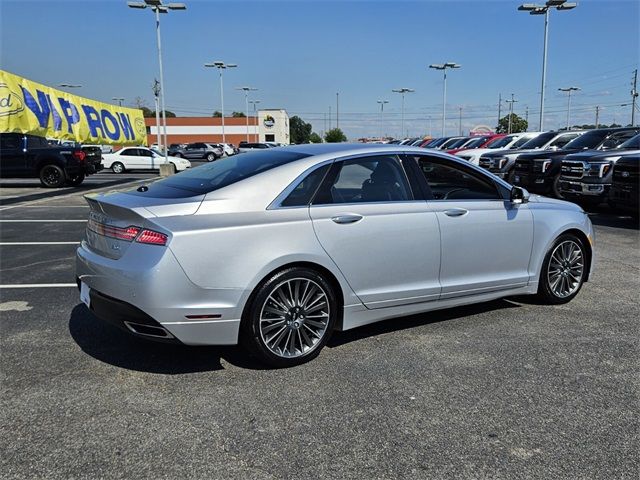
[211, 157]
[52, 176]
[563, 270]
[555, 188]
[117, 167]
[290, 317]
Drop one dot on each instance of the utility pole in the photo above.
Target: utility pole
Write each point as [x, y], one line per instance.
[568, 90]
[337, 110]
[382, 102]
[460, 122]
[510, 102]
[329, 117]
[526, 115]
[597, 115]
[634, 95]
[499, 108]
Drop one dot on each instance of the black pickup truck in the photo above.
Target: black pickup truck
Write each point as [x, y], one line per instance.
[30, 156]
[624, 194]
[539, 172]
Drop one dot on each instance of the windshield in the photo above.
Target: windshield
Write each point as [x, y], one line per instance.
[476, 142]
[458, 143]
[437, 142]
[224, 172]
[589, 139]
[631, 144]
[449, 143]
[539, 141]
[501, 142]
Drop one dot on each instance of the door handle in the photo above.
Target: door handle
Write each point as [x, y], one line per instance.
[347, 218]
[456, 212]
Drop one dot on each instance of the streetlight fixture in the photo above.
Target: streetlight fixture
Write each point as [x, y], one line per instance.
[119, 100]
[569, 90]
[221, 66]
[535, 9]
[158, 7]
[402, 91]
[246, 91]
[382, 102]
[443, 67]
[255, 112]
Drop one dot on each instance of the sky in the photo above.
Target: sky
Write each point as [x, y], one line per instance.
[299, 54]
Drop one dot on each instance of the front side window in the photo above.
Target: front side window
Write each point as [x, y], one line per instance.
[369, 179]
[563, 140]
[449, 181]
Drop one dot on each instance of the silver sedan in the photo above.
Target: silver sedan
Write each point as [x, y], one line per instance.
[276, 249]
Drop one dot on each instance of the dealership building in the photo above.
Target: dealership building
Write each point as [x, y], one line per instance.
[270, 125]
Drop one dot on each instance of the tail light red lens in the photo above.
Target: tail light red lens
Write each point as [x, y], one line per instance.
[152, 238]
[80, 155]
[128, 234]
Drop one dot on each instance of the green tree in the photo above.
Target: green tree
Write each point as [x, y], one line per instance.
[217, 114]
[335, 135]
[238, 114]
[518, 124]
[315, 138]
[148, 113]
[299, 130]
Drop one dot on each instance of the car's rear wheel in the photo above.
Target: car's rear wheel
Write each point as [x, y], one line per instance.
[117, 167]
[52, 176]
[563, 270]
[211, 157]
[290, 317]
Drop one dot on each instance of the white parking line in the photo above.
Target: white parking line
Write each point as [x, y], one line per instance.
[37, 243]
[40, 285]
[41, 221]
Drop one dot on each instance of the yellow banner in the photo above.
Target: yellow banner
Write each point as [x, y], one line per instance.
[30, 107]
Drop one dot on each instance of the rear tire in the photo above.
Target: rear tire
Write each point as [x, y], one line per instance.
[563, 270]
[289, 318]
[52, 176]
[211, 157]
[117, 167]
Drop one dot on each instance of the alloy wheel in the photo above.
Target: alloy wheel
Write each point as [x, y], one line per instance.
[294, 318]
[566, 268]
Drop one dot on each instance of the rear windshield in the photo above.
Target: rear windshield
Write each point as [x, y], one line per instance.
[221, 173]
[589, 139]
[540, 140]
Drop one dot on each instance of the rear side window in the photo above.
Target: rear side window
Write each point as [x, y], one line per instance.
[303, 193]
[226, 171]
[450, 181]
[131, 152]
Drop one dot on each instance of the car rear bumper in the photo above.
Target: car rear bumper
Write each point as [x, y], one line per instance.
[147, 300]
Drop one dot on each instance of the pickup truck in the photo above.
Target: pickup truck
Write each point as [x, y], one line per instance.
[539, 172]
[586, 177]
[625, 187]
[501, 162]
[30, 156]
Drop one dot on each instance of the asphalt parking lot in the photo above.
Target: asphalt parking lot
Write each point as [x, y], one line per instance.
[506, 389]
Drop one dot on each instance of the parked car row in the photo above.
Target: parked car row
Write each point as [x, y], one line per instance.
[141, 158]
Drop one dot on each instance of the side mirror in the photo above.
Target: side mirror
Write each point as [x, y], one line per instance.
[519, 195]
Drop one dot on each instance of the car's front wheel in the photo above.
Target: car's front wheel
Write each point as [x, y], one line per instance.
[211, 157]
[290, 317]
[563, 270]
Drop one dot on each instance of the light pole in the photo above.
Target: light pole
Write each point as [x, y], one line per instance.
[443, 67]
[221, 66]
[569, 90]
[382, 102]
[119, 100]
[246, 91]
[158, 7]
[255, 114]
[156, 98]
[535, 9]
[402, 91]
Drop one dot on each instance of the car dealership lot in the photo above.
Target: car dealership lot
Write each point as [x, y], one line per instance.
[506, 389]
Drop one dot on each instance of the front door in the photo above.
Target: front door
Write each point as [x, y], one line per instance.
[486, 240]
[384, 241]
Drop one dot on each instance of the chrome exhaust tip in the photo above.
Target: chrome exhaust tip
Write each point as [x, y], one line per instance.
[148, 330]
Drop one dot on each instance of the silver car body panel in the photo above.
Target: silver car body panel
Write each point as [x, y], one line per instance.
[401, 258]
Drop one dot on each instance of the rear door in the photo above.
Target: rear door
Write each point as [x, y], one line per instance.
[485, 240]
[378, 232]
[129, 158]
[12, 154]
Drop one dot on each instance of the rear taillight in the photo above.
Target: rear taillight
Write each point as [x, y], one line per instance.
[79, 155]
[152, 238]
[128, 234]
